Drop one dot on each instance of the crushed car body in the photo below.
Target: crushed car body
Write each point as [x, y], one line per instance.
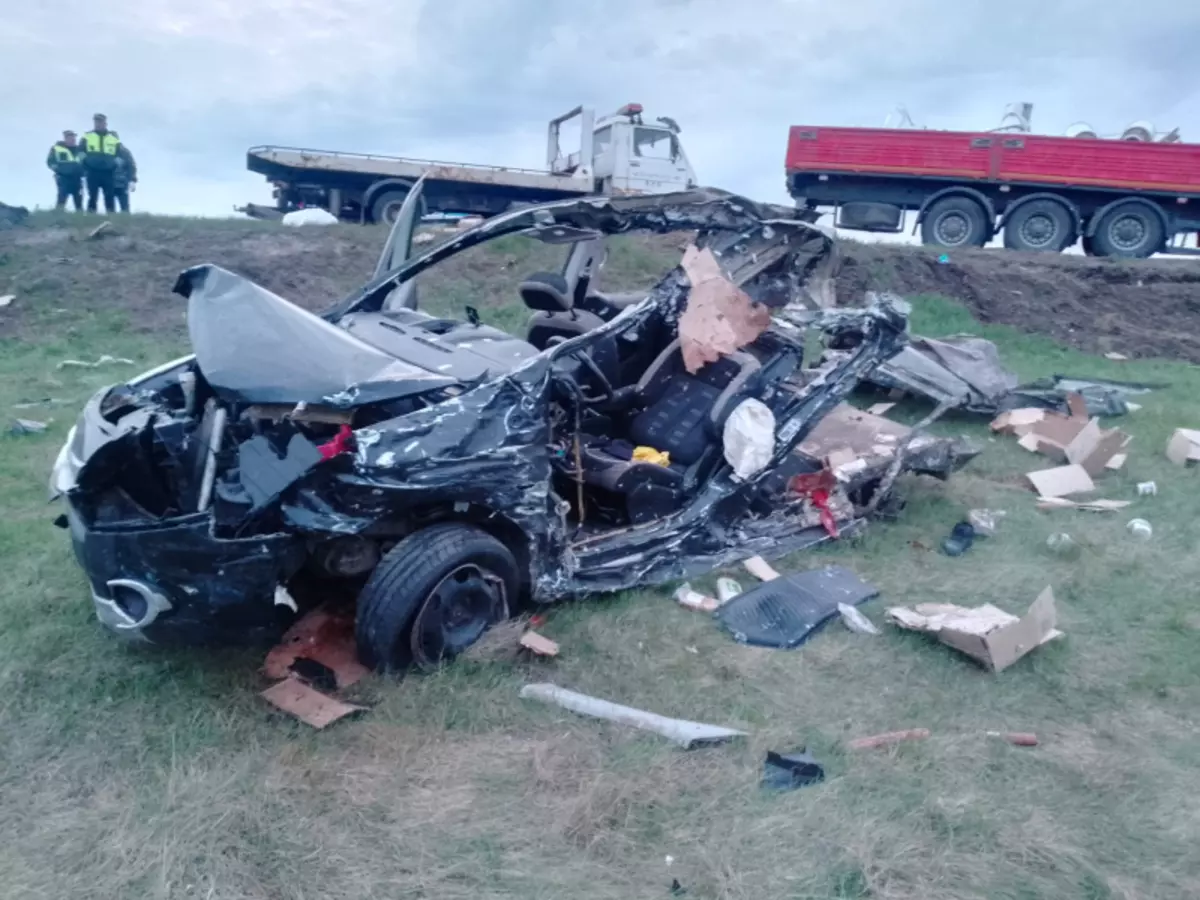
[450, 472]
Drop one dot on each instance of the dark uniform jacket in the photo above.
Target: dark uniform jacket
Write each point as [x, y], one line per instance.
[102, 150]
[64, 160]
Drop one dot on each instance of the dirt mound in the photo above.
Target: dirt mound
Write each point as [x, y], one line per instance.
[1138, 308]
[1142, 308]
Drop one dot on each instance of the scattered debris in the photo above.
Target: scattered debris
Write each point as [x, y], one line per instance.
[308, 704]
[888, 739]
[1140, 529]
[1016, 738]
[1090, 505]
[102, 361]
[986, 633]
[693, 599]
[760, 569]
[538, 645]
[323, 636]
[27, 426]
[1063, 544]
[962, 371]
[309, 215]
[785, 611]
[985, 521]
[856, 620]
[424, 237]
[720, 317]
[1183, 448]
[684, 733]
[34, 404]
[788, 771]
[1116, 357]
[98, 231]
[880, 409]
[6, 300]
[1147, 488]
[727, 589]
[1073, 438]
[960, 540]
[1061, 481]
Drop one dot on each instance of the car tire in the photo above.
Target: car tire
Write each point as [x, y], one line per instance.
[1039, 226]
[956, 222]
[433, 595]
[386, 206]
[1130, 230]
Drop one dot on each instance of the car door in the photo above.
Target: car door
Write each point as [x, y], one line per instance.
[398, 248]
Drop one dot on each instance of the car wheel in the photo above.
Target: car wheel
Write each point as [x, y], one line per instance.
[433, 596]
[1130, 230]
[387, 205]
[956, 222]
[1039, 226]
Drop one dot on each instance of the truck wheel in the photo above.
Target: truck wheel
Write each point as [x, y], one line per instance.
[955, 222]
[386, 206]
[1039, 225]
[434, 595]
[1130, 230]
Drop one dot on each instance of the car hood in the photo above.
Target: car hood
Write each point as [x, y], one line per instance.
[256, 347]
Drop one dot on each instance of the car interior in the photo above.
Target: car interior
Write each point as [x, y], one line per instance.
[618, 397]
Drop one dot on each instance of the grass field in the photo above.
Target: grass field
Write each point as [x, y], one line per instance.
[135, 773]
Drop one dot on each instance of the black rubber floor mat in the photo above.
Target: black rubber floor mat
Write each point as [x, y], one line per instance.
[785, 612]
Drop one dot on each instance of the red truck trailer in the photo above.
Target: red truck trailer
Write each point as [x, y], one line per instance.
[1122, 198]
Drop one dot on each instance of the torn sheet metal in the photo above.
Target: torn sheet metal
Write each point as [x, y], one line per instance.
[260, 348]
[962, 371]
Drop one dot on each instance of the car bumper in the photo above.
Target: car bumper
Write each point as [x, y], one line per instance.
[171, 581]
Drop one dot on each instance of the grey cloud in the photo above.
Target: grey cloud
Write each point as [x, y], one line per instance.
[192, 85]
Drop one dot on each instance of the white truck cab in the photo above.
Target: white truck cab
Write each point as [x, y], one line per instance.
[635, 157]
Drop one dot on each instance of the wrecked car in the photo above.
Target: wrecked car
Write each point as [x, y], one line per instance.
[451, 473]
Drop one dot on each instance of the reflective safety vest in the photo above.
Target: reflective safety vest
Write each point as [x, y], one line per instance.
[106, 143]
[63, 153]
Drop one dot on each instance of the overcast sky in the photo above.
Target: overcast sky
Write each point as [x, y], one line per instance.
[190, 85]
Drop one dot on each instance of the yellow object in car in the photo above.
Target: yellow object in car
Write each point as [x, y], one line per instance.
[650, 455]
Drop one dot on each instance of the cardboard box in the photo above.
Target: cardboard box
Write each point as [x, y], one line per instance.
[1184, 447]
[1075, 439]
[990, 635]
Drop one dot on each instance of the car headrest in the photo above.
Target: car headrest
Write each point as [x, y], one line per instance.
[547, 292]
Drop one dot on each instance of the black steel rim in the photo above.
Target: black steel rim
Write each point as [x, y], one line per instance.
[1039, 230]
[1128, 232]
[952, 228]
[459, 609]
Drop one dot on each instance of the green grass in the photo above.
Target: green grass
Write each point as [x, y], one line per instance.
[159, 773]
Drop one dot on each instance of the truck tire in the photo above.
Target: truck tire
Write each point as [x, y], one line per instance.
[386, 206]
[956, 221]
[1131, 229]
[1044, 226]
[433, 595]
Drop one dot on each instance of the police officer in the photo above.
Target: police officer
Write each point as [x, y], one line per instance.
[64, 161]
[102, 148]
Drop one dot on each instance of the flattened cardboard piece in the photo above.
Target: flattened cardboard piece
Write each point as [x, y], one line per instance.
[1117, 461]
[880, 409]
[307, 704]
[1009, 422]
[324, 637]
[1061, 481]
[855, 430]
[538, 645]
[843, 456]
[1029, 442]
[1184, 447]
[719, 317]
[990, 635]
[1078, 406]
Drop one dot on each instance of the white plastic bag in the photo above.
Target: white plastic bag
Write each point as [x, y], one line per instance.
[310, 215]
